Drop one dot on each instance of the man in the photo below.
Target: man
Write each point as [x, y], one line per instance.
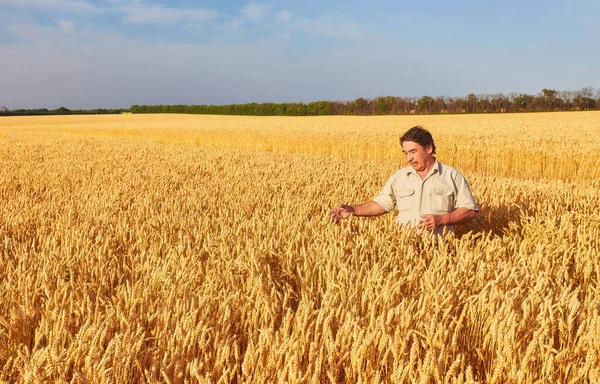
[427, 193]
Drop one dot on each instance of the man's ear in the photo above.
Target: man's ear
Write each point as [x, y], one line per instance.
[429, 149]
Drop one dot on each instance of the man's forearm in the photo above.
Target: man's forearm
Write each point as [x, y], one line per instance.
[369, 208]
[458, 216]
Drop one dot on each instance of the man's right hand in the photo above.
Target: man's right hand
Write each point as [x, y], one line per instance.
[341, 212]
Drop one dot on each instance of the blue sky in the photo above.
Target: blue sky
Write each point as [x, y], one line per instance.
[115, 53]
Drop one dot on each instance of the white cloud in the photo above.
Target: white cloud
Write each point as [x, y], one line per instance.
[139, 13]
[63, 5]
[284, 15]
[256, 11]
[66, 26]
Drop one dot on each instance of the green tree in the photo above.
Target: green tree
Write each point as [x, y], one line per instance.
[550, 96]
[424, 104]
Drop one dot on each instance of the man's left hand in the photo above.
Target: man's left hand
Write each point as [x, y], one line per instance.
[431, 222]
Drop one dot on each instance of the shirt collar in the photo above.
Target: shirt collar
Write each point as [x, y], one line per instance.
[437, 167]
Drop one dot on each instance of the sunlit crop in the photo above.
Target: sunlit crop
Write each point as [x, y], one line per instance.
[167, 248]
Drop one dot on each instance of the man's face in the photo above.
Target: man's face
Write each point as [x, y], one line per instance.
[419, 157]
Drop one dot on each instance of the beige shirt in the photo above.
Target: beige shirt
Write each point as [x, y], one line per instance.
[442, 191]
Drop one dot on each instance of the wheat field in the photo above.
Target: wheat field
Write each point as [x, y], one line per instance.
[184, 249]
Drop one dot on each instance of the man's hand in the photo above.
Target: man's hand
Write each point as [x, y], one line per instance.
[344, 211]
[431, 222]
[458, 216]
[341, 212]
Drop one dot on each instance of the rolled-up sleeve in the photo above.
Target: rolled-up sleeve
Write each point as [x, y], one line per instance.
[464, 196]
[386, 197]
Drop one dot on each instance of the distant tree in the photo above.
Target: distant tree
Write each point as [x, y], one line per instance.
[546, 100]
[520, 102]
[319, 108]
[384, 105]
[584, 100]
[360, 106]
[485, 103]
[62, 111]
[338, 108]
[471, 103]
[499, 103]
[549, 96]
[424, 104]
[439, 105]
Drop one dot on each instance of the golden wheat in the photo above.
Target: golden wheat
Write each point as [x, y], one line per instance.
[197, 249]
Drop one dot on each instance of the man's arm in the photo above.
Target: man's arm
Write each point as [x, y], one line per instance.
[458, 216]
[344, 211]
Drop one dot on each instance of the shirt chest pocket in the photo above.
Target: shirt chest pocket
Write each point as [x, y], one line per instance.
[405, 199]
[442, 199]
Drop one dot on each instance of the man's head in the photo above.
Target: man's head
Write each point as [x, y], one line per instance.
[418, 148]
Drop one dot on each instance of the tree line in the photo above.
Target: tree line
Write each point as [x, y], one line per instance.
[547, 100]
[61, 111]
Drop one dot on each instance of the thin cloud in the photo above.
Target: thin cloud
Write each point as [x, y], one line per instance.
[284, 15]
[30, 32]
[157, 14]
[60, 5]
[255, 15]
[256, 11]
[66, 26]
